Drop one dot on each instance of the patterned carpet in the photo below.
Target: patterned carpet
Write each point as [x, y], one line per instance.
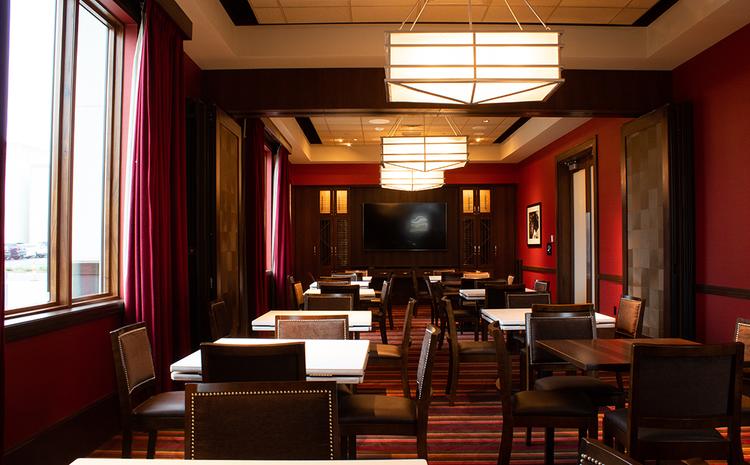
[466, 433]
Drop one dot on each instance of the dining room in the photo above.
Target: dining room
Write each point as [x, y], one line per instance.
[404, 232]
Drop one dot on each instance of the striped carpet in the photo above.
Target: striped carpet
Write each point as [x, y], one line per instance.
[466, 433]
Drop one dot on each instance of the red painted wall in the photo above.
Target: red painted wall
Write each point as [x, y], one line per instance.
[717, 82]
[537, 183]
[369, 174]
[55, 375]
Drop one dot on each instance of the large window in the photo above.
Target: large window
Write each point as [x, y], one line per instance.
[61, 169]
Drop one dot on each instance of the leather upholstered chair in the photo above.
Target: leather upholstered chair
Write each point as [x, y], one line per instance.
[494, 293]
[526, 299]
[421, 294]
[563, 309]
[629, 320]
[337, 288]
[379, 310]
[296, 293]
[541, 286]
[312, 327]
[679, 395]
[342, 302]
[140, 408]
[220, 319]
[462, 351]
[225, 363]
[335, 280]
[511, 279]
[591, 452]
[397, 355]
[742, 334]
[544, 409]
[392, 415]
[291, 420]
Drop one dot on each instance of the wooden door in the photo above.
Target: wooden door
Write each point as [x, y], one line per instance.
[504, 231]
[228, 185]
[305, 223]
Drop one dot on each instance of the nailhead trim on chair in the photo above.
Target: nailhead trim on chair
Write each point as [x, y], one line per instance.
[346, 331]
[125, 366]
[588, 459]
[266, 392]
[423, 363]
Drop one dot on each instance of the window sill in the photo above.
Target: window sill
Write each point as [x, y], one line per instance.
[25, 326]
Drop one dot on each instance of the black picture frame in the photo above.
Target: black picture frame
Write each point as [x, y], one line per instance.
[534, 225]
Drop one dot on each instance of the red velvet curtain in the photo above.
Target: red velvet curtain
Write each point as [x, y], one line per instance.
[156, 286]
[4, 44]
[254, 178]
[282, 250]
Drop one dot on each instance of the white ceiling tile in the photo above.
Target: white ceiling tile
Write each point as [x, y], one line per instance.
[382, 14]
[595, 3]
[317, 15]
[629, 15]
[264, 3]
[501, 14]
[313, 3]
[377, 3]
[641, 3]
[269, 15]
[578, 15]
[533, 3]
[451, 14]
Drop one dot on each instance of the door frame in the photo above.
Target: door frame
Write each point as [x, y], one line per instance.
[564, 239]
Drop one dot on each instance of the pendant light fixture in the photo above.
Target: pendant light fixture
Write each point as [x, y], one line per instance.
[425, 153]
[410, 180]
[471, 67]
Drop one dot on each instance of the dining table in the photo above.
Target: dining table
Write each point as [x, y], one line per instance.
[362, 284]
[602, 354]
[479, 294]
[514, 319]
[364, 293]
[110, 461]
[359, 320]
[340, 360]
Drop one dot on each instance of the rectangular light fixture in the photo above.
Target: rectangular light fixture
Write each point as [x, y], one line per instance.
[425, 153]
[472, 67]
[410, 180]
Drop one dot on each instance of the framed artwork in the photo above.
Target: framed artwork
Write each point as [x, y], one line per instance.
[534, 225]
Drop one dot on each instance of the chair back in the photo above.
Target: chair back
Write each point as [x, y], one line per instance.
[345, 276]
[742, 334]
[510, 279]
[417, 284]
[555, 327]
[290, 420]
[329, 302]
[358, 273]
[563, 309]
[333, 288]
[629, 321]
[220, 319]
[134, 366]
[225, 363]
[378, 279]
[685, 387]
[424, 370]
[298, 296]
[494, 293]
[450, 276]
[335, 280]
[591, 452]
[312, 327]
[541, 286]
[406, 333]
[292, 298]
[526, 299]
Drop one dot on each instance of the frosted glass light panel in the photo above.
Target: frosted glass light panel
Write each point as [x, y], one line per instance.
[485, 200]
[467, 201]
[471, 67]
[410, 180]
[425, 153]
[325, 202]
[90, 160]
[342, 204]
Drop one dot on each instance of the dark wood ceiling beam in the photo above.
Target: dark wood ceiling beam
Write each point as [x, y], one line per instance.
[310, 91]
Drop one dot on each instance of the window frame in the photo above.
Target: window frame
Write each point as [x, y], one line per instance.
[60, 265]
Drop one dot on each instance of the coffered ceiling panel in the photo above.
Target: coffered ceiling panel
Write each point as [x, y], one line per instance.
[589, 12]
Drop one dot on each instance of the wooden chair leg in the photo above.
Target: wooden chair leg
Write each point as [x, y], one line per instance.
[383, 333]
[352, 446]
[405, 376]
[422, 444]
[151, 450]
[506, 443]
[608, 436]
[127, 444]
[453, 386]
[528, 435]
[594, 427]
[549, 446]
[390, 316]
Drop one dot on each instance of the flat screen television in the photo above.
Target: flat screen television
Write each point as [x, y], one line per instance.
[404, 226]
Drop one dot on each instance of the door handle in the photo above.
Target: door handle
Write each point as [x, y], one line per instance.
[495, 251]
[315, 250]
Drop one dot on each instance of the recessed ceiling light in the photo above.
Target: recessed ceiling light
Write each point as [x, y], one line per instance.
[485, 121]
[339, 140]
[348, 144]
[379, 129]
[379, 121]
[478, 139]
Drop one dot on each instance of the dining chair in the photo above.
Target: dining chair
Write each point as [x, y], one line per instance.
[296, 293]
[289, 420]
[345, 276]
[312, 327]
[510, 279]
[421, 294]
[544, 409]
[541, 286]
[378, 278]
[742, 334]
[141, 408]
[629, 319]
[563, 309]
[359, 274]
[397, 355]
[679, 396]
[379, 310]
[526, 299]
[392, 415]
[462, 351]
[220, 319]
[592, 452]
[341, 288]
[494, 293]
[430, 291]
[227, 363]
[329, 302]
[335, 280]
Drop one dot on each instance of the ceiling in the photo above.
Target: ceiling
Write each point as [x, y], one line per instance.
[367, 130]
[591, 12]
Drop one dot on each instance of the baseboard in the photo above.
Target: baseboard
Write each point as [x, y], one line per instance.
[74, 437]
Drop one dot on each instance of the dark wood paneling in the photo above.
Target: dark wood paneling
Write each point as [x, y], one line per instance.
[538, 269]
[74, 437]
[299, 92]
[22, 327]
[734, 292]
[611, 278]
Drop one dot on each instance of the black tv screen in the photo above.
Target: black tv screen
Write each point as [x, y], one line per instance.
[404, 226]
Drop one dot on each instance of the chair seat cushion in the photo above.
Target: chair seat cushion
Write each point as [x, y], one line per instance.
[551, 403]
[601, 393]
[619, 420]
[476, 347]
[370, 408]
[166, 404]
[385, 351]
